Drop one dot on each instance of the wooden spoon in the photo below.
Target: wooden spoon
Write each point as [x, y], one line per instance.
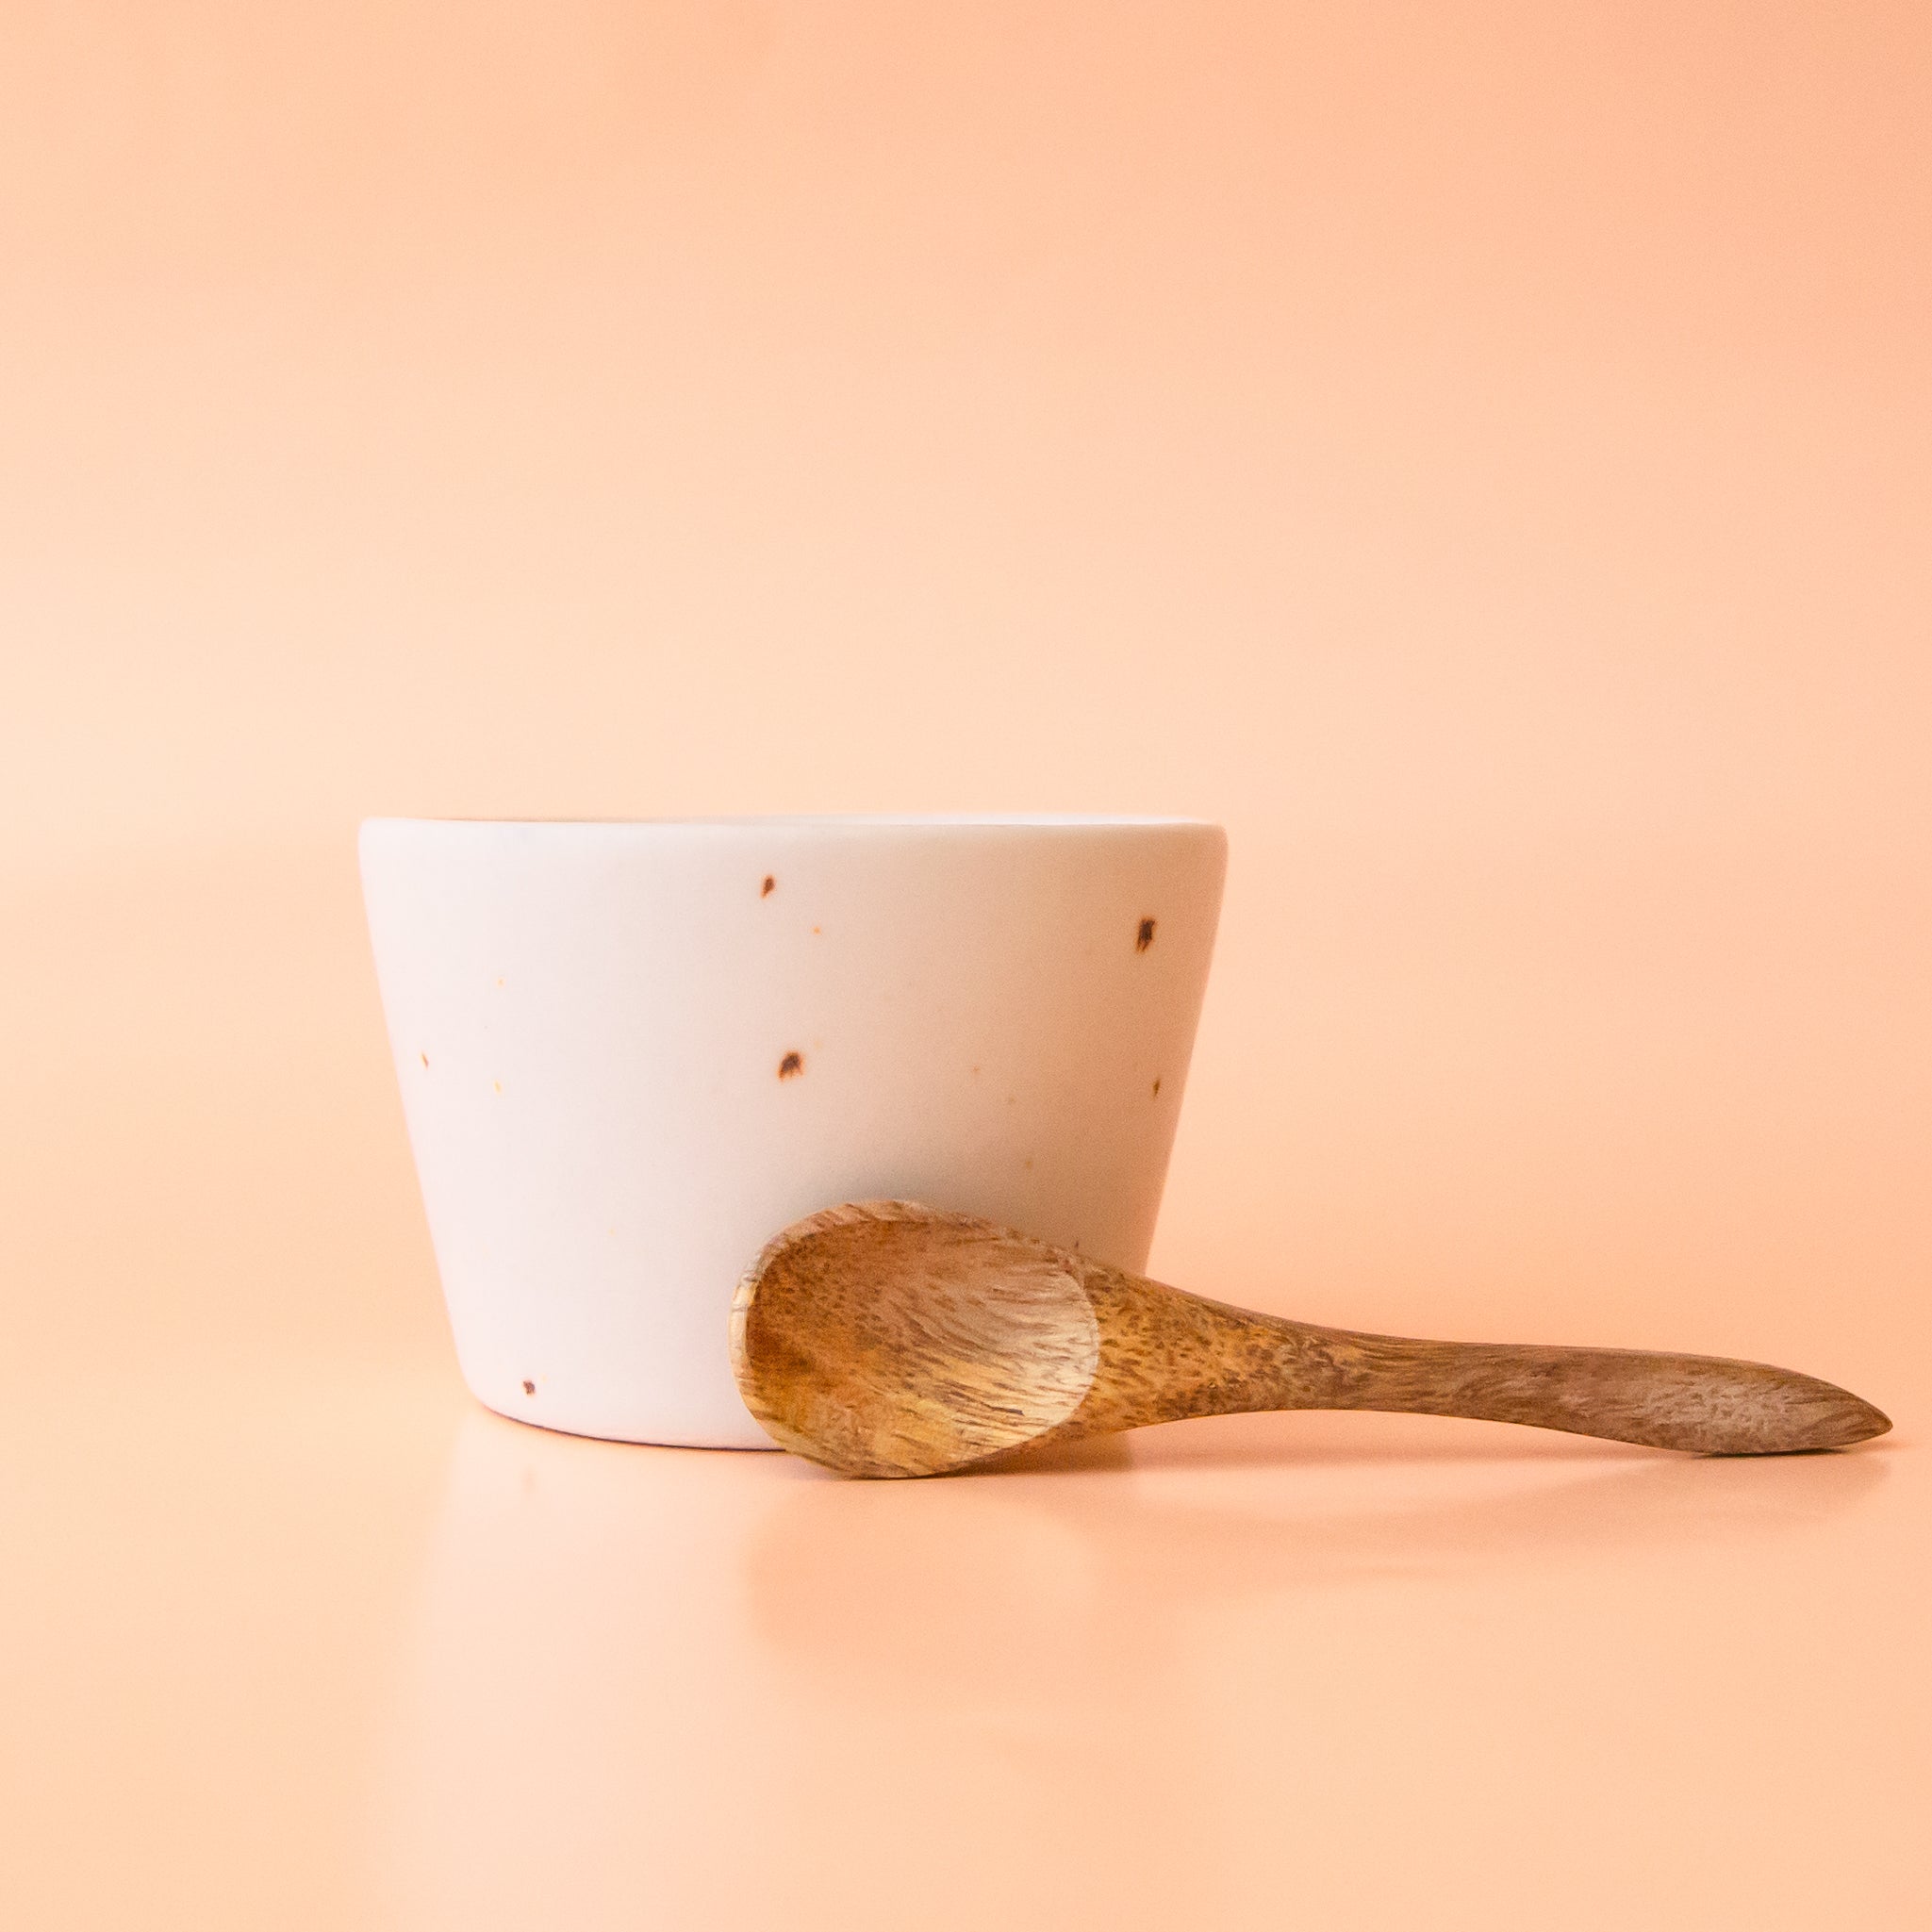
[886, 1339]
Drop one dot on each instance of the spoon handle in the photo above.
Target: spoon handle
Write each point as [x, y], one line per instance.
[1165, 1354]
[1696, 1402]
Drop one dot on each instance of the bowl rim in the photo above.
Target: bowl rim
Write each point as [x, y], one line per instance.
[834, 822]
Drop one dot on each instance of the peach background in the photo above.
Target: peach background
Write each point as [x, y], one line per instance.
[1481, 454]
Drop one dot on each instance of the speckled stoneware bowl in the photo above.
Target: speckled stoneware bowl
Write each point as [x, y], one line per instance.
[630, 1054]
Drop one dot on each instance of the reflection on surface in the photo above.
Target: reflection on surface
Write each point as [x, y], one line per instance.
[680, 1687]
[1160, 1542]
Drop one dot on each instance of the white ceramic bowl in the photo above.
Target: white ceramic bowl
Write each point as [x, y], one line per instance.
[630, 1054]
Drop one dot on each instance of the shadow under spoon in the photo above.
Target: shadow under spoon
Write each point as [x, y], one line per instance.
[883, 1338]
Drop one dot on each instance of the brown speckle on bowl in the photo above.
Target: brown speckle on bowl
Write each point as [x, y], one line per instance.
[529, 1388]
[769, 886]
[1157, 1089]
[792, 1065]
[424, 1058]
[1145, 938]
